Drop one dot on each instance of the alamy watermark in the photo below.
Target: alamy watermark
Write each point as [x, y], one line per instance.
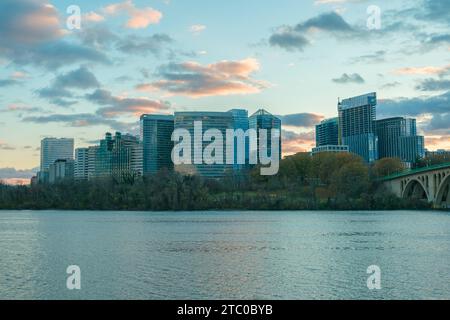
[73, 282]
[233, 149]
[374, 280]
[374, 19]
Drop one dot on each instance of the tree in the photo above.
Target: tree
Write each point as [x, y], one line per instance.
[386, 167]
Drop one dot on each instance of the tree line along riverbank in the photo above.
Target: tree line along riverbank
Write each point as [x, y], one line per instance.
[324, 182]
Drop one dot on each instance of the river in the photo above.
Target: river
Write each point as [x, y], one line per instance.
[225, 255]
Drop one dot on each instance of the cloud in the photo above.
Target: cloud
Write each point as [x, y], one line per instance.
[7, 82]
[141, 45]
[434, 143]
[21, 108]
[288, 39]
[138, 18]
[390, 85]
[439, 39]
[93, 17]
[54, 55]
[415, 106]
[294, 142]
[80, 78]
[293, 38]
[97, 36]
[19, 75]
[24, 22]
[195, 80]
[115, 106]
[329, 22]
[435, 10]
[434, 85]
[439, 123]
[5, 146]
[376, 57]
[12, 173]
[428, 70]
[197, 29]
[80, 120]
[300, 120]
[349, 78]
[30, 34]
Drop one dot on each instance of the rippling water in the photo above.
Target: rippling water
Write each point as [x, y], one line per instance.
[224, 255]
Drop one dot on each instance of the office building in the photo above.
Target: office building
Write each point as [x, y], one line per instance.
[327, 133]
[397, 138]
[81, 164]
[156, 138]
[240, 121]
[330, 148]
[92, 158]
[119, 157]
[265, 120]
[357, 130]
[61, 170]
[210, 120]
[53, 149]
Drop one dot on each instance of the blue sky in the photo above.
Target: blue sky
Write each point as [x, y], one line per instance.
[294, 58]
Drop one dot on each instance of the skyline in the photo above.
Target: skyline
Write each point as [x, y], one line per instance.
[135, 57]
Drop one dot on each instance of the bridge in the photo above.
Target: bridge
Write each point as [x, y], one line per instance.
[431, 184]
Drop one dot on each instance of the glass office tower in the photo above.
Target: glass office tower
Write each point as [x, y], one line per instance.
[240, 121]
[327, 132]
[210, 120]
[265, 120]
[397, 138]
[156, 138]
[53, 149]
[357, 130]
[119, 157]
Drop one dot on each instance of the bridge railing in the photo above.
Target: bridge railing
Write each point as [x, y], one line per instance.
[410, 172]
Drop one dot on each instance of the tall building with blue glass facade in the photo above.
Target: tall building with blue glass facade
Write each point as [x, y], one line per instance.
[156, 137]
[265, 120]
[327, 133]
[397, 138]
[240, 121]
[119, 157]
[210, 120]
[357, 127]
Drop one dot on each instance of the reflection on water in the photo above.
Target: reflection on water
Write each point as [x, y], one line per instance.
[224, 255]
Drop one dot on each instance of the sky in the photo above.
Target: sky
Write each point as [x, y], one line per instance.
[293, 58]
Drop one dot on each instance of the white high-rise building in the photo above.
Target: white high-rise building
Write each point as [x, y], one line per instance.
[53, 149]
[91, 160]
[82, 164]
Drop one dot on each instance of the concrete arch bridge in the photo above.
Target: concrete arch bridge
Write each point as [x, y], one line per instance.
[430, 183]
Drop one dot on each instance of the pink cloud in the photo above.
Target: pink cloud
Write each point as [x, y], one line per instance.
[437, 142]
[293, 142]
[138, 18]
[118, 105]
[218, 79]
[428, 70]
[33, 21]
[16, 181]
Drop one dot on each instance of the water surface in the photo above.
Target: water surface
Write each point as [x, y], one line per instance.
[224, 255]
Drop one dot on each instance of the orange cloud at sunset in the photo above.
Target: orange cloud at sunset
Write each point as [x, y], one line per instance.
[437, 142]
[217, 79]
[138, 18]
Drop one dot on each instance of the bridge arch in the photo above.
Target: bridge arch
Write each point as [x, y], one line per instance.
[443, 194]
[415, 189]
